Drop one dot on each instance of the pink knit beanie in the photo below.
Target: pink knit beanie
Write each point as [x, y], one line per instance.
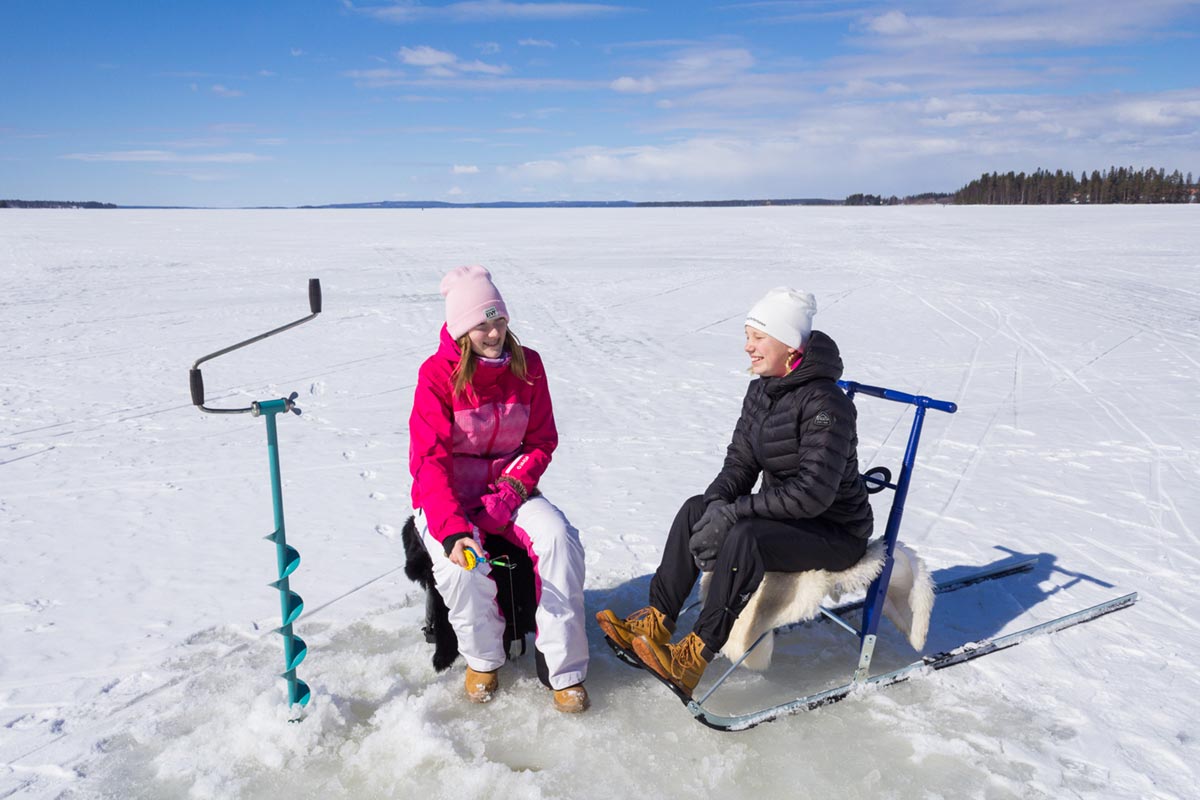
[471, 298]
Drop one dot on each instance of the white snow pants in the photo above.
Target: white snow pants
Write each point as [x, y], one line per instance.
[558, 570]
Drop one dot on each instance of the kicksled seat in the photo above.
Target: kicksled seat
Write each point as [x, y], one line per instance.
[786, 599]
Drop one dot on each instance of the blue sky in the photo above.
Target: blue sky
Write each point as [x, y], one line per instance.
[295, 102]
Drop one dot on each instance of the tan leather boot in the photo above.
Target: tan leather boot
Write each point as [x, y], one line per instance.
[681, 664]
[571, 700]
[648, 622]
[481, 686]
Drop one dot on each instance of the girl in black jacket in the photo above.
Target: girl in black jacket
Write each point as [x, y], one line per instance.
[798, 432]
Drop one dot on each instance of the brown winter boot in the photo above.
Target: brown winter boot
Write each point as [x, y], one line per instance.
[680, 664]
[571, 700]
[648, 622]
[481, 686]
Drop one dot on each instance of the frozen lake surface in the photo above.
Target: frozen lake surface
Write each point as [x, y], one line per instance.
[136, 654]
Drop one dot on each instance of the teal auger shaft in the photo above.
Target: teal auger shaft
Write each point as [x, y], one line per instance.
[287, 558]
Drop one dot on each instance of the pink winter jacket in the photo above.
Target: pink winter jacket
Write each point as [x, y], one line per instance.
[459, 446]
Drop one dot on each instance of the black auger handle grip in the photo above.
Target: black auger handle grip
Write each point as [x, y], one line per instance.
[197, 382]
[314, 295]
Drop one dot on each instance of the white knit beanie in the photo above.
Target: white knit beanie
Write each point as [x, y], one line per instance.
[785, 314]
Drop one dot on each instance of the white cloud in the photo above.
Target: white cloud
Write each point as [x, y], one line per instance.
[681, 162]
[167, 156]
[441, 78]
[1162, 112]
[443, 64]
[536, 43]
[537, 113]
[223, 91]
[465, 169]
[865, 88]
[1008, 24]
[690, 69]
[538, 170]
[479, 66]
[634, 85]
[376, 78]
[491, 11]
[297, 52]
[426, 56]
[199, 177]
[956, 119]
[199, 142]
[489, 48]
[926, 97]
[891, 23]
[455, 191]
[901, 147]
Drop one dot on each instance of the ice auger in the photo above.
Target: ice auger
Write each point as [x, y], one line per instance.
[287, 557]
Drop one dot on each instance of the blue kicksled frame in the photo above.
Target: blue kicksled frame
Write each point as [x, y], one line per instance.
[878, 479]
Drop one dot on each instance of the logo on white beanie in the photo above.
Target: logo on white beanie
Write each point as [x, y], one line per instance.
[784, 314]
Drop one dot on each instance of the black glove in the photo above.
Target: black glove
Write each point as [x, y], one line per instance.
[708, 534]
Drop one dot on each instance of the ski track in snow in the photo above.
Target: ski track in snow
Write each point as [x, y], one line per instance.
[136, 653]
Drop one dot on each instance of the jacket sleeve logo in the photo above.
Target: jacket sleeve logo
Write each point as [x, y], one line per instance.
[823, 420]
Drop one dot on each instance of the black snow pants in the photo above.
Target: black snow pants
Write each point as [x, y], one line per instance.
[752, 547]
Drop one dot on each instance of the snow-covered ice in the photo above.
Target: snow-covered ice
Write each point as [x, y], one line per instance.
[136, 653]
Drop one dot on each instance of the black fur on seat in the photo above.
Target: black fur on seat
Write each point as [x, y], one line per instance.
[514, 594]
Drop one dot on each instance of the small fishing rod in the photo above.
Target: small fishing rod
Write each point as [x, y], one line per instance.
[475, 560]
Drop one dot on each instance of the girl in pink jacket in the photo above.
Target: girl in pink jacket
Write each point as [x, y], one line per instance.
[480, 436]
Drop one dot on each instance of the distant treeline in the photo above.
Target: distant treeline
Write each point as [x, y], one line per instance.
[1114, 185]
[795, 201]
[52, 204]
[926, 198]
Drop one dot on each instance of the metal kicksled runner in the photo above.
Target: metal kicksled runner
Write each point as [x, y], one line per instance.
[287, 557]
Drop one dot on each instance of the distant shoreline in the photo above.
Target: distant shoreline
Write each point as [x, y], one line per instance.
[1113, 186]
[432, 204]
[853, 201]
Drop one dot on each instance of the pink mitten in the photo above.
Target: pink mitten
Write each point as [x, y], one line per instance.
[499, 508]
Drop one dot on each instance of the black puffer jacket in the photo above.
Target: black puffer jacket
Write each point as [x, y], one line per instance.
[800, 432]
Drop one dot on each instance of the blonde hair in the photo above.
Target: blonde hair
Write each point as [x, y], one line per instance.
[465, 370]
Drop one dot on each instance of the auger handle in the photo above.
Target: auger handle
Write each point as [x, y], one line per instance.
[196, 378]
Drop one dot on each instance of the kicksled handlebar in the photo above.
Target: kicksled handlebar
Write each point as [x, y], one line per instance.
[196, 378]
[920, 401]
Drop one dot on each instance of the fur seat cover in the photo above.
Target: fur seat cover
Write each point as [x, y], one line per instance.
[784, 598]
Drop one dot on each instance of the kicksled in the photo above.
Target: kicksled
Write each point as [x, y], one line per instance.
[897, 586]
